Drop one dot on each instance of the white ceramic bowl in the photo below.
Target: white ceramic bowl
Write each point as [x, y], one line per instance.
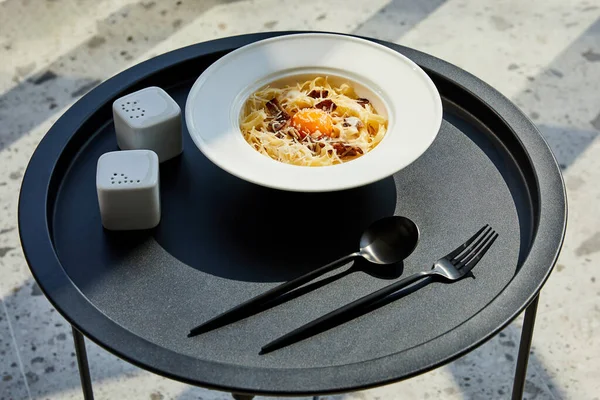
[396, 86]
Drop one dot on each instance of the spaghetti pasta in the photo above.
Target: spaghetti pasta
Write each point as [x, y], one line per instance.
[312, 123]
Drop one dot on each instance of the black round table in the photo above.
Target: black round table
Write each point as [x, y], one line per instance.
[219, 243]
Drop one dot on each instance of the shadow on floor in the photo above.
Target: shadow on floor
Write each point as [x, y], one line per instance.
[124, 35]
[48, 337]
[397, 18]
[554, 90]
[554, 83]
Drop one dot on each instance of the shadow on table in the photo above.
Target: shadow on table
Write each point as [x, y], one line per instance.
[256, 234]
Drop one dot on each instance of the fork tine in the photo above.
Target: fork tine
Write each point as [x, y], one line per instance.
[463, 246]
[474, 249]
[471, 264]
[462, 258]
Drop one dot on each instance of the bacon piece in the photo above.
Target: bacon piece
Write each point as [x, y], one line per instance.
[316, 147]
[279, 118]
[345, 150]
[326, 105]
[274, 108]
[318, 94]
[362, 101]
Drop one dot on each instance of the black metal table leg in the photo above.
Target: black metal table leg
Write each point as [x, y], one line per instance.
[518, 384]
[82, 363]
[524, 347]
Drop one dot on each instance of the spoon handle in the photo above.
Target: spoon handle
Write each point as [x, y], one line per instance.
[245, 309]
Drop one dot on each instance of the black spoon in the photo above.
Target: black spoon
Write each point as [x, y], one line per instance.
[386, 241]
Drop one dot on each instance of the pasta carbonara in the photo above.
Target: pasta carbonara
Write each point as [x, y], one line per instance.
[312, 123]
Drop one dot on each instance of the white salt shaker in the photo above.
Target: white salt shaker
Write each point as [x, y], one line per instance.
[128, 189]
[149, 119]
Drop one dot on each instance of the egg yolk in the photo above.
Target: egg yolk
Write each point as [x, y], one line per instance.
[310, 120]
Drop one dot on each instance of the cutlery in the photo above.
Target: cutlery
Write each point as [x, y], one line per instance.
[386, 241]
[451, 267]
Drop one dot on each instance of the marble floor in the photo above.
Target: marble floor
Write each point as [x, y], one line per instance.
[542, 54]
